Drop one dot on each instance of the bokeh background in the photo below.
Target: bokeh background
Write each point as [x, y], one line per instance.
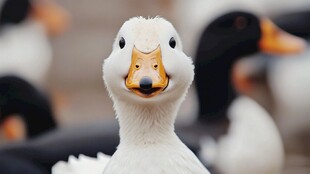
[76, 71]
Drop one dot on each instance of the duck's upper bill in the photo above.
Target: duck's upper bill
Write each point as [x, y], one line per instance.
[147, 76]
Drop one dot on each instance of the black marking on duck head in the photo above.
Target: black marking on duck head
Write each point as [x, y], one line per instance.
[14, 11]
[223, 41]
[17, 96]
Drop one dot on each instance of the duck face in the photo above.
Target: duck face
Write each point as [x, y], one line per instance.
[147, 61]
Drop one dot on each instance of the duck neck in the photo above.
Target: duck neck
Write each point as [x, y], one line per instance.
[146, 124]
[214, 89]
[213, 80]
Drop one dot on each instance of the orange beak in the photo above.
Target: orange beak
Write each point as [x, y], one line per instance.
[277, 41]
[146, 76]
[273, 41]
[54, 18]
[14, 128]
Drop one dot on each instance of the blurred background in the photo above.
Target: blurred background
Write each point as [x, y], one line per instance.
[74, 79]
[76, 70]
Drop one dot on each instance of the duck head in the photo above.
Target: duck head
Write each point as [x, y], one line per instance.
[224, 41]
[49, 14]
[147, 62]
[241, 33]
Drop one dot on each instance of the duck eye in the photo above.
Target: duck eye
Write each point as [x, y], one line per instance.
[122, 43]
[240, 22]
[172, 42]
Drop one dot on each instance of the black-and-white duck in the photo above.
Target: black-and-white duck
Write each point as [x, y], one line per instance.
[281, 85]
[147, 75]
[241, 128]
[25, 27]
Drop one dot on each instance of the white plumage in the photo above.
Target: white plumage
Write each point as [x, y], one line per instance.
[252, 145]
[290, 82]
[82, 165]
[148, 143]
[25, 51]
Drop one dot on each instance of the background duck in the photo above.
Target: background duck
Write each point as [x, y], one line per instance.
[222, 43]
[18, 97]
[281, 87]
[284, 85]
[25, 26]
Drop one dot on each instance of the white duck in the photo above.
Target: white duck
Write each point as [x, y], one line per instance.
[147, 76]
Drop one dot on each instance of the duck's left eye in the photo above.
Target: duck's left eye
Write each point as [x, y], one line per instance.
[240, 22]
[122, 43]
[172, 42]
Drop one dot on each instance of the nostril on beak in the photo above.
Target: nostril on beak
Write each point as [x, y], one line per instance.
[146, 83]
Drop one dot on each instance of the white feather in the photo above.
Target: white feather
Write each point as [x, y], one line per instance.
[25, 51]
[253, 143]
[82, 165]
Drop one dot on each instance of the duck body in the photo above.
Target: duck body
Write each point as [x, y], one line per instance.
[33, 58]
[289, 82]
[252, 133]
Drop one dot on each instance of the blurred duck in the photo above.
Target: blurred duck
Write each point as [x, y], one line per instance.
[281, 86]
[24, 110]
[25, 26]
[233, 130]
[284, 85]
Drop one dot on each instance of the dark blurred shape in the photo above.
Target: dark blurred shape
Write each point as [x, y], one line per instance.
[19, 97]
[297, 23]
[220, 45]
[14, 11]
[58, 145]
[13, 165]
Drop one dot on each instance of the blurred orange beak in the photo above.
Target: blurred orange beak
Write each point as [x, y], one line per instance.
[277, 41]
[273, 41]
[146, 76]
[14, 128]
[54, 18]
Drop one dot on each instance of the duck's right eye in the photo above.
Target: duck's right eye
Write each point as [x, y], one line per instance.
[122, 43]
[240, 22]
